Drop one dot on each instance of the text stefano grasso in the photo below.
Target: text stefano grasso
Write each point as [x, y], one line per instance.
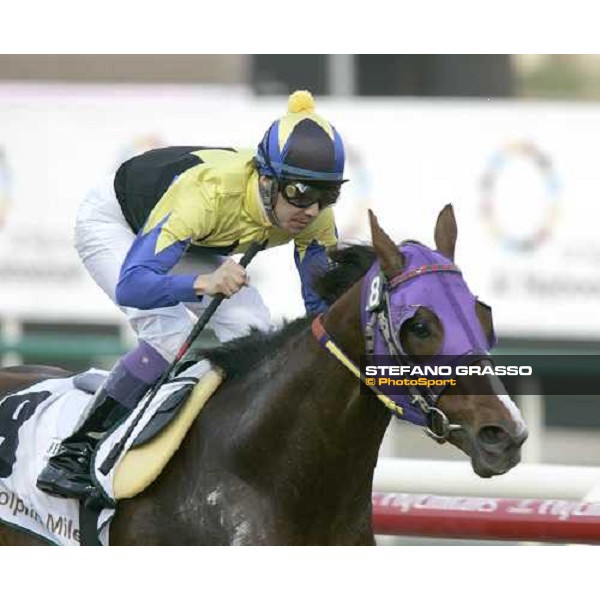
[446, 370]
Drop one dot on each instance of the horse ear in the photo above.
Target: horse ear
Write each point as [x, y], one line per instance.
[446, 232]
[390, 258]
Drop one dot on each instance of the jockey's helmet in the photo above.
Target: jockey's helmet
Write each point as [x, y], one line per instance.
[302, 146]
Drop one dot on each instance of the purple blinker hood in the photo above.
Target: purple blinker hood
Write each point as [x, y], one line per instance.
[428, 280]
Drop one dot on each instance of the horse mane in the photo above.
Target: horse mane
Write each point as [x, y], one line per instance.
[238, 357]
[348, 264]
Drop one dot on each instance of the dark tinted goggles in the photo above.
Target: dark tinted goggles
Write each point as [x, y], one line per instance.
[304, 195]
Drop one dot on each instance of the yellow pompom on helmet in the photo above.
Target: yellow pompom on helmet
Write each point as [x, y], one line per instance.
[302, 145]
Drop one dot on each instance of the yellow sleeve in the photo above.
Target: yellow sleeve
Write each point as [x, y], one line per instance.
[190, 208]
[321, 230]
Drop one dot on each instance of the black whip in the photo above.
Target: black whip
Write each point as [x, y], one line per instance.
[114, 454]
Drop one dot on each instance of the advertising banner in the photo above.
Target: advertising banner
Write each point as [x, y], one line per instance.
[522, 177]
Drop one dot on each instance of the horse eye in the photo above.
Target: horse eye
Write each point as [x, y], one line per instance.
[419, 329]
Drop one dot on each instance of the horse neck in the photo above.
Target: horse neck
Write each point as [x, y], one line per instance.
[342, 323]
[365, 417]
[320, 434]
[293, 438]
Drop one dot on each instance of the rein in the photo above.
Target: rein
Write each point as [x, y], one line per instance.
[378, 304]
[325, 340]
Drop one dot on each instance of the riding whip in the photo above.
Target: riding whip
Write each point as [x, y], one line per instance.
[111, 459]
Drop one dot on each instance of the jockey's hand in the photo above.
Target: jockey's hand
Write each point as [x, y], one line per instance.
[228, 279]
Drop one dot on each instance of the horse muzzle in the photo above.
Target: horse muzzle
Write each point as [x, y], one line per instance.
[495, 450]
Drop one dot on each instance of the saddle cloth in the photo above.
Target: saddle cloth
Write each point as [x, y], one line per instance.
[34, 421]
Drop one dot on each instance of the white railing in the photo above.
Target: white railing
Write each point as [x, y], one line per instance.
[457, 478]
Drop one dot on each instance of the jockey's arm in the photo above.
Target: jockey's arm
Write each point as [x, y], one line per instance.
[310, 255]
[144, 280]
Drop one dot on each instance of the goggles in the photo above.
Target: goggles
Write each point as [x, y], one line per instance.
[303, 195]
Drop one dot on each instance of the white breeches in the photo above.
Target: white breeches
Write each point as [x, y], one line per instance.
[102, 240]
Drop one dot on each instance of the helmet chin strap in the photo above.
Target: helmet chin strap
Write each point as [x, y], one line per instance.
[268, 195]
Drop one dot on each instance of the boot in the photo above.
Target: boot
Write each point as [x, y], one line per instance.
[67, 473]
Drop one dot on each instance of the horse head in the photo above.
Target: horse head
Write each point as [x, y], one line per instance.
[417, 309]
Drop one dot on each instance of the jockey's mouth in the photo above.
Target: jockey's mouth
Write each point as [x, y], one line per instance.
[302, 222]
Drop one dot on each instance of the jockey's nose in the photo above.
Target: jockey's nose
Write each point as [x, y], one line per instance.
[312, 210]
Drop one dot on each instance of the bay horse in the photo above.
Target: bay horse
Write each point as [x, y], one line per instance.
[284, 453]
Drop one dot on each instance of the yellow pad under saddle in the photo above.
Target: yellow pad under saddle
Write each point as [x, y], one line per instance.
[142, 465]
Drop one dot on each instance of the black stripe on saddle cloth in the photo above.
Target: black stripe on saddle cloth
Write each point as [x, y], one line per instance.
[164, 415]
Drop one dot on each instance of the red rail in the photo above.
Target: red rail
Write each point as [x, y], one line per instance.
[424, 515]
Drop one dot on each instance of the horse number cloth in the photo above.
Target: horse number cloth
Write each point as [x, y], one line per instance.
[33, 422]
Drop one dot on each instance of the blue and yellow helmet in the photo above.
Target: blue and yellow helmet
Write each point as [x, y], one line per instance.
[302, 145]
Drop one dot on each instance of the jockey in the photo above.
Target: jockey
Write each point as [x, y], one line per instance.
[155, 239]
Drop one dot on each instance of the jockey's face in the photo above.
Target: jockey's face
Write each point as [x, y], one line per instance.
[292, 218]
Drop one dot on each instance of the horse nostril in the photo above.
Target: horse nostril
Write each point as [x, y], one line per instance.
[521, 439]
[491, 435]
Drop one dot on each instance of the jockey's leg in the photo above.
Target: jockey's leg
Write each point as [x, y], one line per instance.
[67, 472]
[102, 239]
[134, 375]
[238, 315]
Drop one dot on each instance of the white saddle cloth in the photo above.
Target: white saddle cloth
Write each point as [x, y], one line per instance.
[33, 423]
[56, 408]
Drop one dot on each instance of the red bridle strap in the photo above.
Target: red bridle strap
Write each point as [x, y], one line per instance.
[423, 270]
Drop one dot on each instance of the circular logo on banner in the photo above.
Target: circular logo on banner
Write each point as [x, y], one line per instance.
[5, 187]
[520, 192]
